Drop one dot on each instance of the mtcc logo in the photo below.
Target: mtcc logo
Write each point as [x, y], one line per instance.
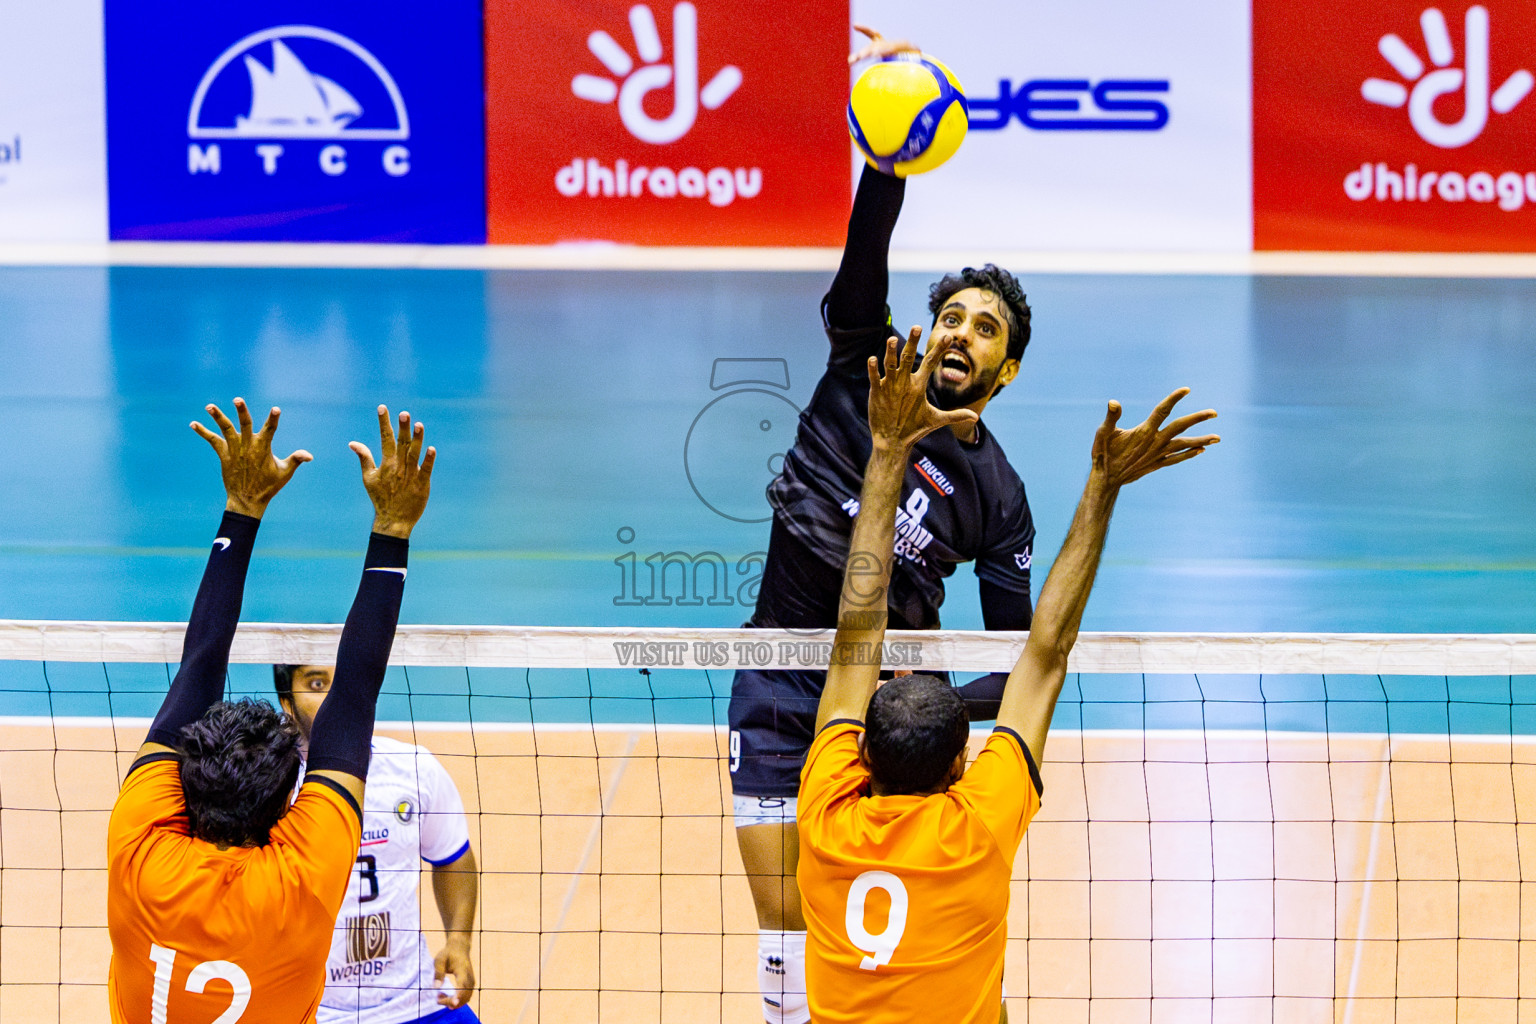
[1473, 78]
[682, 75]
[304, 84]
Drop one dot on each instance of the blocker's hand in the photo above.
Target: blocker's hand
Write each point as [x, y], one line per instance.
[252, 476]
[398, 487]
[1122, 456]
[900, 414]
[878, 46]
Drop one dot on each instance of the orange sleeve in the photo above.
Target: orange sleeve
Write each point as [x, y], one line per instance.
[1002, 787]
[151, 797]
[321, 833]
[832, 769]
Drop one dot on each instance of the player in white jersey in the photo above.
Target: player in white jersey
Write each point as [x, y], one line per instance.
[380, 970]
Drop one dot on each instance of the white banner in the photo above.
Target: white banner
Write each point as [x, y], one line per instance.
[1107, 125]
[53, 163]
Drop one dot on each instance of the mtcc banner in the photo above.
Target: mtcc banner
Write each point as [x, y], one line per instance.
[339, 121]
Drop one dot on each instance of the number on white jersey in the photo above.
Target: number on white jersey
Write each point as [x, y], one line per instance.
[213, 970]
[879, 948]
[368, 871]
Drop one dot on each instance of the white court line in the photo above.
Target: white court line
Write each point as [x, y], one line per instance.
[576, 877]
[1383, 791]
[606, 256]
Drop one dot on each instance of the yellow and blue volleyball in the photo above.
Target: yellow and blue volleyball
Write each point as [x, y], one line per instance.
[907, 114]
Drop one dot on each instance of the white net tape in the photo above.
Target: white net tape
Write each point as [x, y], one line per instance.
[725, 649]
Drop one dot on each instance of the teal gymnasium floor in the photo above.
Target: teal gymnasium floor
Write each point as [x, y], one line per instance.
[1376, 475]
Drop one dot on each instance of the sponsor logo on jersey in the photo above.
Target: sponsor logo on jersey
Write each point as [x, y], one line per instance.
[934, 475]
[372, 836]
[911, 536]
[367, 938]
[405, 811]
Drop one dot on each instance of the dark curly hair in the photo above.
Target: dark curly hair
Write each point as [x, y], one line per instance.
[239, 764]
[994, 279]
[914, 729]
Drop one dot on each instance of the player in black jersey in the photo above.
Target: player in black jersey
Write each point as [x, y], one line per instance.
[961, 502]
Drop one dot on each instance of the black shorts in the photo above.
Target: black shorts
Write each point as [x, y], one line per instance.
[773, 720]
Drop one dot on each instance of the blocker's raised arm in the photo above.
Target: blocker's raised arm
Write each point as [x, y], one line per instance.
[900, 415]
[1119, 457]
[399, 486]
[252, 477]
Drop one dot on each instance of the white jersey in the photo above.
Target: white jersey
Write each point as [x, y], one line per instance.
[380, 970]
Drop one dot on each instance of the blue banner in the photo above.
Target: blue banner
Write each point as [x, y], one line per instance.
[296, 121]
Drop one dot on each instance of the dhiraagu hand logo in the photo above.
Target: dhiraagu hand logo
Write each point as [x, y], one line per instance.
[1471, 79]
[298, 84]
[682, 75]
[630, 85]
[1511, 188]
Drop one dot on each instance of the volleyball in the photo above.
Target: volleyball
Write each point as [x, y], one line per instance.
[907, 114]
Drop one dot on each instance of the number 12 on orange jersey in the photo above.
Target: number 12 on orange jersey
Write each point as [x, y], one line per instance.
[213, 970]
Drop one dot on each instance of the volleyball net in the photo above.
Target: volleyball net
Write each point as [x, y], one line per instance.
[1265, 827]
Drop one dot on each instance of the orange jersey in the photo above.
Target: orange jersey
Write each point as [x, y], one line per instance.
[204, 935]
[906, 897]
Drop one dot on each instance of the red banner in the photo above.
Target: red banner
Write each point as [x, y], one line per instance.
[1394, 125]
[714, 122]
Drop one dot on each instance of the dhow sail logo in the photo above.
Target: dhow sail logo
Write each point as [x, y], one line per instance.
[332, 89]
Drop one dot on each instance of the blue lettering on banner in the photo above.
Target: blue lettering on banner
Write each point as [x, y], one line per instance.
[1057, 104]
[293, 121]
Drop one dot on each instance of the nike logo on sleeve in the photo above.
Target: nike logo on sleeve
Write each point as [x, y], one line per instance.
[380, 568]
[221, 543]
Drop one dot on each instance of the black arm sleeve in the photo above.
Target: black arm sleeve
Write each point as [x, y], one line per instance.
[343, 731]
[857, 296]
[1004, 610]
[199, 682]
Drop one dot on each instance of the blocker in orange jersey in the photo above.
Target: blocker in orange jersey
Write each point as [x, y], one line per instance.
[1397, 125]
[239, 934]
[910, 891]
[699, 122]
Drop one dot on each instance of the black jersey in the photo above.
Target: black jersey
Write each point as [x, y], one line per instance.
[960, 502]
